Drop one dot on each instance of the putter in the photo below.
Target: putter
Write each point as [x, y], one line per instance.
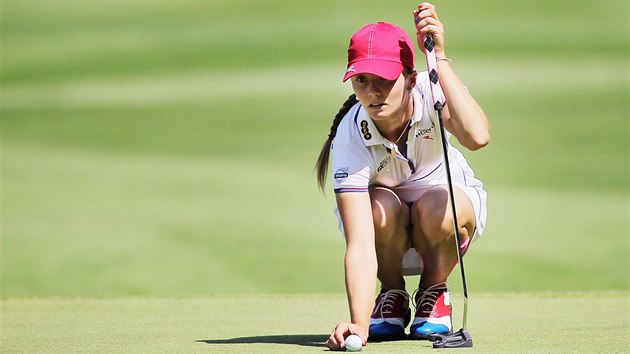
[461, 338]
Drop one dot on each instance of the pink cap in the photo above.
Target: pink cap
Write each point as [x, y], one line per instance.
[381, 49]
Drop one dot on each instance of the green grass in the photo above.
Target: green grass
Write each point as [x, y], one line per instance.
[593, 322]
[121, 224]
[157, 192]
[147, 152]
[166, 150]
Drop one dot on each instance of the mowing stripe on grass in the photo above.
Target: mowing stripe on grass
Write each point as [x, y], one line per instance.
[483, 77]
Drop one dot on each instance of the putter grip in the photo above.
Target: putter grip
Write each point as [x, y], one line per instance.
[439, 101]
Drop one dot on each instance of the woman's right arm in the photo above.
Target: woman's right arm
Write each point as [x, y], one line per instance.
[360, 266]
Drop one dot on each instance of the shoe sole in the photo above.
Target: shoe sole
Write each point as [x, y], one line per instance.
[387, 338]
[430, 336]
[392, 337]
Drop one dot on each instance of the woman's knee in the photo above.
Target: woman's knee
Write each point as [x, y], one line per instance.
[386, 207]
[432, 213]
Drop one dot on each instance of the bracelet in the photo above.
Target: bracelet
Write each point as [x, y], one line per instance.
[445, 59]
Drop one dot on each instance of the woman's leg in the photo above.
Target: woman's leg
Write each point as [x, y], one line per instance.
[391, 221]
[433, 237]
[391, 312]
[433, 232]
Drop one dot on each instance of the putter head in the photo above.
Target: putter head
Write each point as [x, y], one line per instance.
[459, 339]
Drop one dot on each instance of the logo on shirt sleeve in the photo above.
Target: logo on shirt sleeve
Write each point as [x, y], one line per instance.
[341, 174]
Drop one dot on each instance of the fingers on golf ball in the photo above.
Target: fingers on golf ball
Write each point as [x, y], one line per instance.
[354, 343]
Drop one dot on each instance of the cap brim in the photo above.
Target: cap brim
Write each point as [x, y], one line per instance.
[388, 70]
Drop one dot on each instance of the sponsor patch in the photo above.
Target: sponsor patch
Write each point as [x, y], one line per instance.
[365, 131]
[384, 163]
[341, 175]
[425, 131]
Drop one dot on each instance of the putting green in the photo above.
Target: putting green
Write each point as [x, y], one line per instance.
[588, 322]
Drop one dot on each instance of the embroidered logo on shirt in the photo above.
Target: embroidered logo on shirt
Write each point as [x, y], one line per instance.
[423, 132]
[341, 174]
[384, 163]
[365, 131]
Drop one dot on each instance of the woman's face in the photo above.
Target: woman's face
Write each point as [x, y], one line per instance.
[382, 98]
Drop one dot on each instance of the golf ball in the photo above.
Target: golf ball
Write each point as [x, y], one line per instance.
[354, 343]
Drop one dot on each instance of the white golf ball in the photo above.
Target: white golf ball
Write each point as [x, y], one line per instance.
[354, 343]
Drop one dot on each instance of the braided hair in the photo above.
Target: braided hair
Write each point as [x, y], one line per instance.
[321, 167]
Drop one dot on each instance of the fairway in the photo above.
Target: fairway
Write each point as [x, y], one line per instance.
[510, 323]
[145, 152]
[157, 188]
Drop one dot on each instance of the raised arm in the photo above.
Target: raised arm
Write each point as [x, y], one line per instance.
[360, 266]
[463, 116]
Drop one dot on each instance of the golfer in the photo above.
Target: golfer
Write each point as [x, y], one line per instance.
[390, 182]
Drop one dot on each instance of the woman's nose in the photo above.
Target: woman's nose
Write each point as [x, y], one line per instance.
[373, 89]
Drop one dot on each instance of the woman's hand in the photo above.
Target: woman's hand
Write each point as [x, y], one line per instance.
[337, 339]
[428, 23]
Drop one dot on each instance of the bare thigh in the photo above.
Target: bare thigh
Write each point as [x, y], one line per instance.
[432, 212]
[391, 219]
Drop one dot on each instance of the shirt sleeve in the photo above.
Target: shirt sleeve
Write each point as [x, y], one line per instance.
[351, 168]
[351, 159]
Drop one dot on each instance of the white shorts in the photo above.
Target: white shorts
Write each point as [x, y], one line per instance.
[410, 192]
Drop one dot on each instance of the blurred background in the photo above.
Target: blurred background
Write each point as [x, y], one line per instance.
[167, 148]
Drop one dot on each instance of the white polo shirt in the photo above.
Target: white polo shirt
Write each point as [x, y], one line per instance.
[362, 157]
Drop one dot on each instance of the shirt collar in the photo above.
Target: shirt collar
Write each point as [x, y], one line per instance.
[367, 129]
[418, 103]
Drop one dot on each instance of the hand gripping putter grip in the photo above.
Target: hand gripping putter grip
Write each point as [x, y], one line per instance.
[460, 338]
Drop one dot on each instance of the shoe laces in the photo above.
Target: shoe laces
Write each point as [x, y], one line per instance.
[387, 301]
[426, 300]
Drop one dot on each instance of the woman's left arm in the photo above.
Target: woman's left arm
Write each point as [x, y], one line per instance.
[462, 116]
